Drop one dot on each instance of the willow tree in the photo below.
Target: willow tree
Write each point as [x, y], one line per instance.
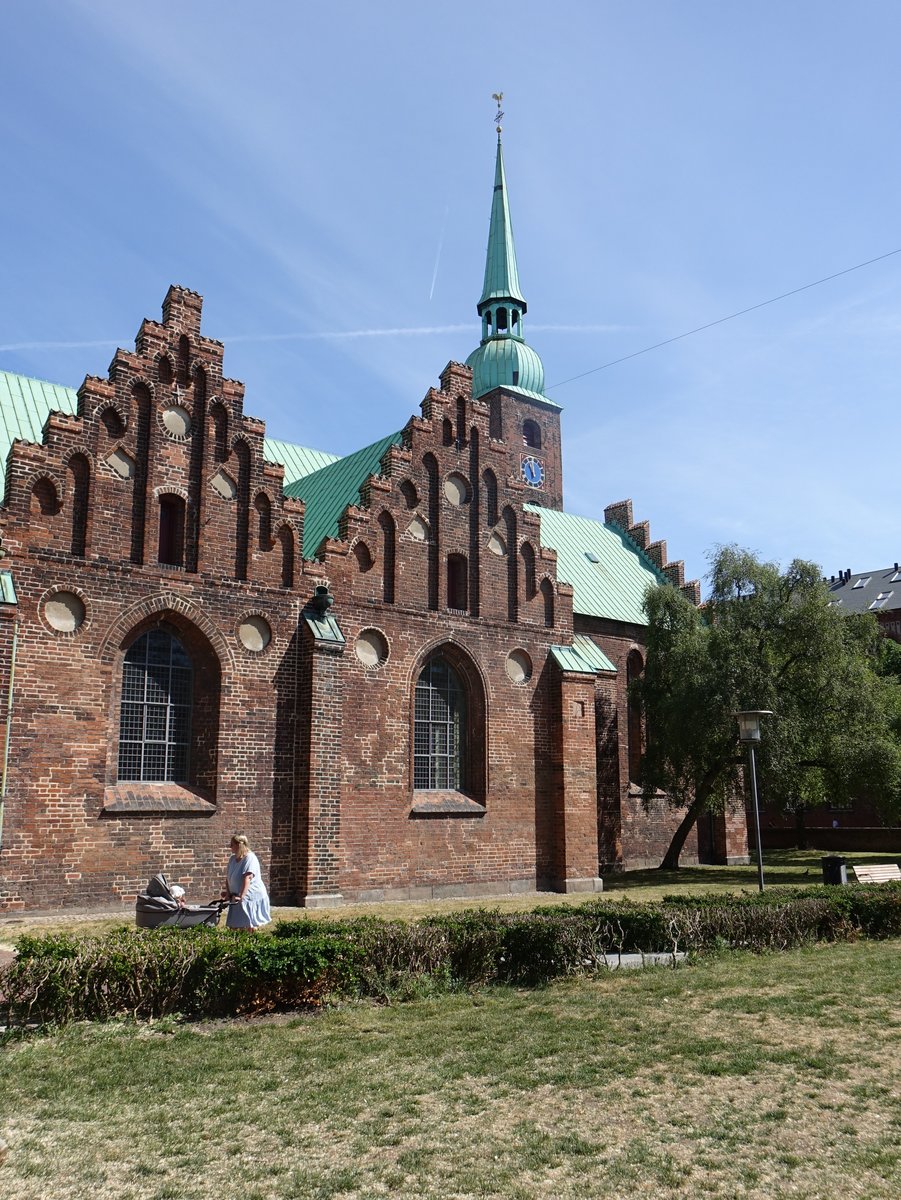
[765, 639]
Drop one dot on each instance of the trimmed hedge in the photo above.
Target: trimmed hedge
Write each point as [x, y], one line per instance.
[154, 973]
[207, 972]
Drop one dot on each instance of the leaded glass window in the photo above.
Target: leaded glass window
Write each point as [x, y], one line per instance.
[439, 725]
[155, 718]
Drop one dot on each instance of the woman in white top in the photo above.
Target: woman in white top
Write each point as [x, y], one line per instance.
[249, 908]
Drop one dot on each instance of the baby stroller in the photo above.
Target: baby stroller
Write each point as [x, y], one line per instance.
[157, 908]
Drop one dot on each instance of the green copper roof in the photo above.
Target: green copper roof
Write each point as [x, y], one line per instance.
[504, 359]
[582, 656]
[328, 492]
[26, 403]
[324, 627]
[509, 363]
[609, 574]
[501, 277]
[298, 460]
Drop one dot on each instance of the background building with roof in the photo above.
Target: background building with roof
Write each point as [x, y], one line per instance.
[864, 823]
[877, 592]
[403, 671]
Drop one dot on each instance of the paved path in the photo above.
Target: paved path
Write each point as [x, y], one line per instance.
[11, 926]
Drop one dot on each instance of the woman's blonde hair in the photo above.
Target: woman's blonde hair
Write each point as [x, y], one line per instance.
[243, 845]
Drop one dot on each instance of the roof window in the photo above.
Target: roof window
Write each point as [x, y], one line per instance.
[591, 556]
[862, 582]
[881, 600]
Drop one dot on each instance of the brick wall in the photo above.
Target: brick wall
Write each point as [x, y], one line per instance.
[73, 836]
[634, 830]
[452, 489]
[154, 506]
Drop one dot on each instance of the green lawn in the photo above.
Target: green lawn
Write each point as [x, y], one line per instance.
[772, 1076]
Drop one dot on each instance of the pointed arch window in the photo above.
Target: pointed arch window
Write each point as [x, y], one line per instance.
[164, 370]
[389, 554]
[547, 593]
[219, 418]
[489, 482]
[171, 547]
[184, 361]
[528, 565]
[286, 541]
[457, 582]
[80, 472]
[531, 434]
[439, 729]
[263, 508]
[461, 422]
[44, 498]
[155, 714]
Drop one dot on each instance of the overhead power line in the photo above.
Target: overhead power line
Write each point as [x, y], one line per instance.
[721, 320]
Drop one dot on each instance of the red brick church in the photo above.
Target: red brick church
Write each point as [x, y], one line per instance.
[403, 672]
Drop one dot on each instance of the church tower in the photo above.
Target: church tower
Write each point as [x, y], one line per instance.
[507, 374]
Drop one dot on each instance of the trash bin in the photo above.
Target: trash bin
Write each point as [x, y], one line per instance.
[835, 869]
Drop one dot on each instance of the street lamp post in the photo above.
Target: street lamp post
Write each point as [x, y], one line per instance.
[749, 735]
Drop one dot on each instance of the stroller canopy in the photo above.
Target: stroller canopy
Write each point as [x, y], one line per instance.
[156, 907]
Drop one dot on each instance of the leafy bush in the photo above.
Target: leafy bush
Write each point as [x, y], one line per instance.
[474, 943]
[207, 972]
[153, 973]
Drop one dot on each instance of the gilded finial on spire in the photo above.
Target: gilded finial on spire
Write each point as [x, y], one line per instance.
[499, 115]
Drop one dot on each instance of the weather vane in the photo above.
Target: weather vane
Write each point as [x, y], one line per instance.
[499, 115]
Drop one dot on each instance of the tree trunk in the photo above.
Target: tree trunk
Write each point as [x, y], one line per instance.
[800, 829]
[705, 787]
[671, 858]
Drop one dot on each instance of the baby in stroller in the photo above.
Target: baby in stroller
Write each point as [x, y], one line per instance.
[162, 905]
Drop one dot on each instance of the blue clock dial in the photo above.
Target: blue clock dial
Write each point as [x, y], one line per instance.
[532, 471]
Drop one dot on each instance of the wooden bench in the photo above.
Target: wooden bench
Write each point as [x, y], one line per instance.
[881, 873]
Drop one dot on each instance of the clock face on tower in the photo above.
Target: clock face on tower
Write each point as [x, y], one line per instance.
[532, 470]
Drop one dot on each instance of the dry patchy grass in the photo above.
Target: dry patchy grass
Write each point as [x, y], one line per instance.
[771, 1076]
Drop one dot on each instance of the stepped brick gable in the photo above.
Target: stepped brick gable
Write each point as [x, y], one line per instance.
[403, 672]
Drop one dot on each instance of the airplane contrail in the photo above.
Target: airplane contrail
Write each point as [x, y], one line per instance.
[438, 254]
[320, 335]
[339, 334]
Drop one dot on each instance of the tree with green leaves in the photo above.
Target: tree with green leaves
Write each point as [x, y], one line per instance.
[765, 639]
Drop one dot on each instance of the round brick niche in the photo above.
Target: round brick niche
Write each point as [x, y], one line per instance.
[64, 612]
[254, 634]
[177, 421]
[456, 489]
[371, 648]
[519, 666]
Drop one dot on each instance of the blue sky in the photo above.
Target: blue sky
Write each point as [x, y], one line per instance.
[322, 175]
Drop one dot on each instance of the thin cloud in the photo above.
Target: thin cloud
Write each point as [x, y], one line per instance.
[407, 331]
[12, 346]
[341, 334]
[580, 328]
[321, 335]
